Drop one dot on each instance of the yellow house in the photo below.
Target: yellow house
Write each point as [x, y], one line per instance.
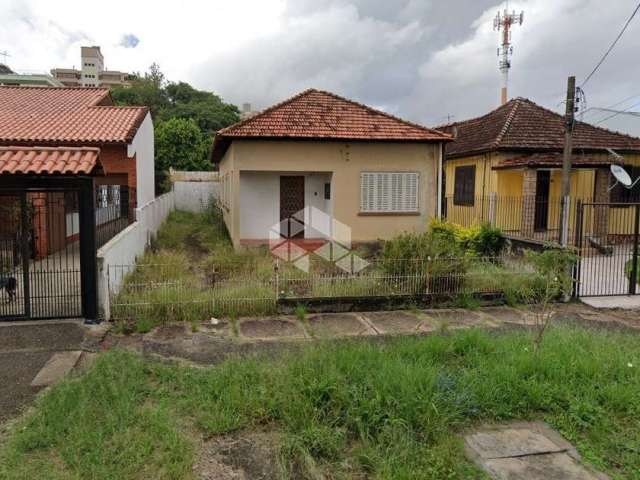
[319, 167]
[505, 167]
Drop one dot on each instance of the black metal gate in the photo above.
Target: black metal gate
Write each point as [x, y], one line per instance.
[607, 238]
[40, 274]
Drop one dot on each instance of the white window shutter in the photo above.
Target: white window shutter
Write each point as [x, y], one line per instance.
[389, 192]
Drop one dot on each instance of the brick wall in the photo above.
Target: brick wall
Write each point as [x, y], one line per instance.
[116, 164]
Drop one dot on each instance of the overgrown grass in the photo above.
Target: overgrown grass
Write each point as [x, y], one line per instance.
[192, 273]
[390, 411]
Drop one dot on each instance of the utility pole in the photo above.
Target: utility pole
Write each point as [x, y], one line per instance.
[569, 121]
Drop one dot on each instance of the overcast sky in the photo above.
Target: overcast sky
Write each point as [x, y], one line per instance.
[424, 60]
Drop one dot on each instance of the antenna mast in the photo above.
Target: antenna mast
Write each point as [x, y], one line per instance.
[4, 54]
[504, 21]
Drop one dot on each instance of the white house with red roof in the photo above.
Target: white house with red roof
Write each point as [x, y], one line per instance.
[320, 166]
[60, 118]
[73, 170]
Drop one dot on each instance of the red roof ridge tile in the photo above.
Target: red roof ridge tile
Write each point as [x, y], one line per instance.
[507, 124]
[45, 148]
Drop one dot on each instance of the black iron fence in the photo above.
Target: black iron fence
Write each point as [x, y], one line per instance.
[115, 210]
[608, 244]
[39, 255]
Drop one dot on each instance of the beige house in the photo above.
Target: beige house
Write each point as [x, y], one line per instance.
[319, 166]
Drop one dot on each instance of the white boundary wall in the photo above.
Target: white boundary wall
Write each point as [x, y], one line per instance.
[126, 246]
[194, 191]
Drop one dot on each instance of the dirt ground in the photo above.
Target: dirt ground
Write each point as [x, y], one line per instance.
[240, 456]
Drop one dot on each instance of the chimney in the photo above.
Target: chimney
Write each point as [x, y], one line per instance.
[246, 107]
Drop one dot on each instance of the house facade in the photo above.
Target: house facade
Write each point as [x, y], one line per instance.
[73, 167]
[330, 163]
[506, 167]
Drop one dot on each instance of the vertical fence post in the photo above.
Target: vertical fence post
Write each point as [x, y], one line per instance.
[277, 278]
[633, 281]
[25, 253]
[492, 208]
[578, 244]
[564, 219]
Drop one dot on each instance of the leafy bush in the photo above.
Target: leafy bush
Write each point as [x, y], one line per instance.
[487, 241]
[483, 240]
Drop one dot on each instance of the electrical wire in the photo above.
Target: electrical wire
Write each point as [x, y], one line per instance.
[610, 107]
[618, 113]
[595, 69]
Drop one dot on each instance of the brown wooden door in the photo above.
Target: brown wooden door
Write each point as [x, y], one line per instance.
[291, 201]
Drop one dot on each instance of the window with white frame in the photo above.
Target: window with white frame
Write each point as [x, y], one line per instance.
[392, 192]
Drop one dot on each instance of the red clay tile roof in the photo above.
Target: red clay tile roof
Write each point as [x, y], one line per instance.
[315, 114]
[521, 124]
[48, 160]
[49, 115]
[554, 159]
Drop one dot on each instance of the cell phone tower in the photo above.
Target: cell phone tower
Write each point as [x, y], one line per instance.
[504, 21]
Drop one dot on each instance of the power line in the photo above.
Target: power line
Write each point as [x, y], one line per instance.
[612, 46]
[591, 109]
[618, 113]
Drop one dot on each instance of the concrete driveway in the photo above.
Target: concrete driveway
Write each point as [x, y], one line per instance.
[25, 347]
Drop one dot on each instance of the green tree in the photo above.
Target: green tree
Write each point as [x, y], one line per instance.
[181, 144]
[178, 100]
[147, 90]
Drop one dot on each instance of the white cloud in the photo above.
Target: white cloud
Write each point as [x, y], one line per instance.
[41, 34]
[421, 59]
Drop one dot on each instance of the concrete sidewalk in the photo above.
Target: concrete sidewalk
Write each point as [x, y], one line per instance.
[217, 340]
[25, 348]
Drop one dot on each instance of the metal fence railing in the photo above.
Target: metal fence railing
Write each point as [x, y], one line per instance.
[521, 217]
[115, 205]
[180, 292]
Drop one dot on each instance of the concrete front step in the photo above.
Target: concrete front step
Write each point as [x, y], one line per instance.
[59, 365]
[526, 451]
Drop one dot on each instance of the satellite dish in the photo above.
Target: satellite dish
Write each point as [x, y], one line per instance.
[622, 177]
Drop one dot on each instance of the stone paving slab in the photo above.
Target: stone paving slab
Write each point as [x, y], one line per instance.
[456, 318]
[626, 302]
[511, 442]
[273, 327]
[338, 324]
[506, 314]
[526, 451]
[554, 466]
[59, 365]
[399, 322]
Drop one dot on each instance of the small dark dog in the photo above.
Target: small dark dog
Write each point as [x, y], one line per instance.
[9, 284]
